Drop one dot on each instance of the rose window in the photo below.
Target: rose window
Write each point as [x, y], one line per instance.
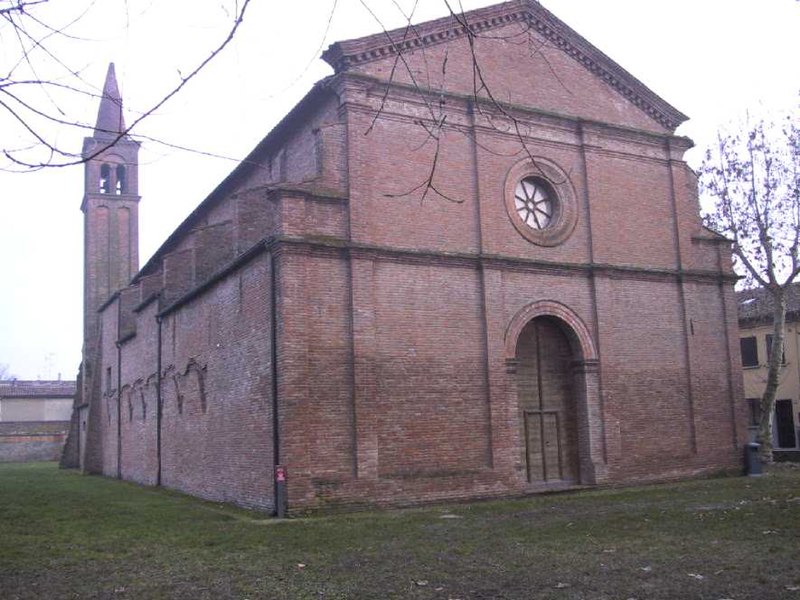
[535, 203]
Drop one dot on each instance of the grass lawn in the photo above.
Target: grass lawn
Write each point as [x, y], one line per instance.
[64, 535]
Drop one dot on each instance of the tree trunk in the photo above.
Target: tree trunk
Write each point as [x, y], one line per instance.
[775, 362]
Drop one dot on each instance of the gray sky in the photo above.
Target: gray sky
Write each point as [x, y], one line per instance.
[712, 59]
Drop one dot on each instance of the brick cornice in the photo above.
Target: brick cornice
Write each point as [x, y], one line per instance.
[341, 248]
[318, 245]
[146, 302]
[110, 199]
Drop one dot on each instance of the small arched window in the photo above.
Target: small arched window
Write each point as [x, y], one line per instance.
[105, 179]
[122, 184]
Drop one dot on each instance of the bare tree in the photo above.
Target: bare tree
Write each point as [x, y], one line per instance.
[37, 81]
[752, 178]
[5, 373]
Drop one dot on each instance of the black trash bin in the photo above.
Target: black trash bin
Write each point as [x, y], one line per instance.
[752, 461]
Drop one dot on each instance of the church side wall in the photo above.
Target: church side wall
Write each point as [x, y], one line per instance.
[203, 450]
[216, 393]
[139, 395]
[103, 420]
[216, 390]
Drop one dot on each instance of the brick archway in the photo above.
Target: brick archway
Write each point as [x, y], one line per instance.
[585, 381]
[583, 345]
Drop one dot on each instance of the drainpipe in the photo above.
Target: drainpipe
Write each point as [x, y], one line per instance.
[279, 471]
[158, 403]
[119, 410]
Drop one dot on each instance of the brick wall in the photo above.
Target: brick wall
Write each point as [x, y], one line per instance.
[216, 389]
[32, 440]
[518, 73]
[139, 397]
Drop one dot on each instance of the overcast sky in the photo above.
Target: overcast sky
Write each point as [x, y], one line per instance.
[711, 59]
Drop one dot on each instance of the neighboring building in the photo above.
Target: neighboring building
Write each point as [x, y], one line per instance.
[546, 317]
[34, 419]
[756, 332]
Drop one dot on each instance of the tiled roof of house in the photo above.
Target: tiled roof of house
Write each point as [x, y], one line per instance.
[16, 388]
[756, 305]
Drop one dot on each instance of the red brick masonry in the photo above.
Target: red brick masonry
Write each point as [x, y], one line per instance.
[316, 311]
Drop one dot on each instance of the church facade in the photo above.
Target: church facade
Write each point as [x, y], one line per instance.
[467, 264]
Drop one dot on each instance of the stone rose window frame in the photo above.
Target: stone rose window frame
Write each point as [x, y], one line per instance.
[563, 207]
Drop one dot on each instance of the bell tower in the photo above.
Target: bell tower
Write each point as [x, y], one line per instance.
[110, 208]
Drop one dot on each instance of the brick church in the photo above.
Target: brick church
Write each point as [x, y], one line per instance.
[469, 263]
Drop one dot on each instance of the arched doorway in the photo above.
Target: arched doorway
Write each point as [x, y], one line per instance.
[547, 402]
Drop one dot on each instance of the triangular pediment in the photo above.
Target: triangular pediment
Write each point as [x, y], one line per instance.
[354, 55]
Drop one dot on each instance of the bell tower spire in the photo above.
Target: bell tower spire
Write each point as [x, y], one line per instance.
[110, 207]
[110, 122]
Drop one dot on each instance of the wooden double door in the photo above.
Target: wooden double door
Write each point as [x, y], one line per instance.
[547, 403]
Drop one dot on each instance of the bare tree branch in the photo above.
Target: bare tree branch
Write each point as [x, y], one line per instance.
[28, 41]
[20, 7]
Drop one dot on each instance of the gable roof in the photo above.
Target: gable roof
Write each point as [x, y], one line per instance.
[283, 130]
[346, 54]
[755, 306]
